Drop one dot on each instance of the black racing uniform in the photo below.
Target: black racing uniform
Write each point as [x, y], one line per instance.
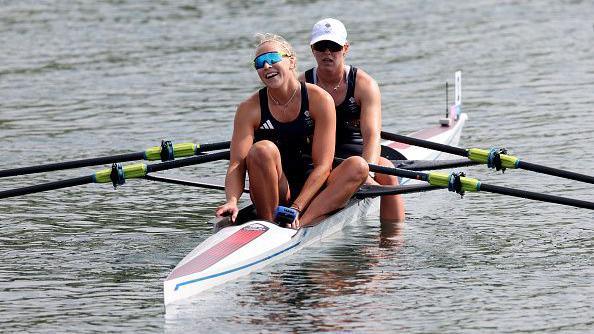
[293, 139]
[349, 141]
[348, 115]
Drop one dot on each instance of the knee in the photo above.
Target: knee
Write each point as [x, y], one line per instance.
[357, 168]
[262, 152]
[386, 179]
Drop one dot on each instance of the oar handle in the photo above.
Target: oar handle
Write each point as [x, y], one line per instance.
[368, 190]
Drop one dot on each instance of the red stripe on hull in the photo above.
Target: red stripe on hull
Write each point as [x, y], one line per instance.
[423, 134]
[219, 251]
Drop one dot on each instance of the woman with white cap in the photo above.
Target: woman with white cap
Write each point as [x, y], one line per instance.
[357, 101]
[273, 132]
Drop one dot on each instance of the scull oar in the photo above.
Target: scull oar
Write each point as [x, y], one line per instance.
[165, 152]
[460, 183]
[117, 174]
[493, 158]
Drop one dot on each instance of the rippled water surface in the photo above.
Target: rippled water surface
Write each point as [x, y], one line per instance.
[84, 78]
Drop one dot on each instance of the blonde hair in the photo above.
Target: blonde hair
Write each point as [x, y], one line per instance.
[266, 37]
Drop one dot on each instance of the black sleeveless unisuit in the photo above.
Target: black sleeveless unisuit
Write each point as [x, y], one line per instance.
[293, 139]
[348, 112]
[348, 115]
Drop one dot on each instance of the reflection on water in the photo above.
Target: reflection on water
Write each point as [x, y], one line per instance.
[84, 79]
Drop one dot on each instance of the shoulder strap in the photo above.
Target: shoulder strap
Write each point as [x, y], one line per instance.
[304, 98]
[352, 78]
[264, 110]
[309, 76]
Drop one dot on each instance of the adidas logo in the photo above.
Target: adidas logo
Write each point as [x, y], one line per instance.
[267, 125]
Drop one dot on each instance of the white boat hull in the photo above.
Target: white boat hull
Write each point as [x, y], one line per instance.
[269, 243]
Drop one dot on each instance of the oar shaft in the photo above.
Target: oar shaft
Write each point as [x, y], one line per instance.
[555, 172]
[187, 161]
[188, 183]
[399, 172]
[424, 143]
[378, 190]
[432, 164]
[72, 164]
[537, 196]
[153, 153]
[213, 146]
[47, 186]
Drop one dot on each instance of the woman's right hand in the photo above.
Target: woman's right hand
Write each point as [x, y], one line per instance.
[228, 209]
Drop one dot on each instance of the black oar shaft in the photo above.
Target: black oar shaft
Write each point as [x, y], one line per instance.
[100, 161]
[424, 143]
[537, 196]
[188, 183]
[399, 172]
[214, 146]
[555, 172]
[72, 164]
[187, 161]
[433, 164]
[47, 186]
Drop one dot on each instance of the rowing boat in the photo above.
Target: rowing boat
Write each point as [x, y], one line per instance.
[251, 244]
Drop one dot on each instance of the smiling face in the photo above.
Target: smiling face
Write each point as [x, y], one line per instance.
[276, 74]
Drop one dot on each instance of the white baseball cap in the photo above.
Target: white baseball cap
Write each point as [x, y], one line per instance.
[328, 29]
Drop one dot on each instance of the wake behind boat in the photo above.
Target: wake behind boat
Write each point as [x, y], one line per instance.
[252, 244]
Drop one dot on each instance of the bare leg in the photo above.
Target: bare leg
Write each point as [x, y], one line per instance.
[392, 206]
[263, 166]
[343, 181]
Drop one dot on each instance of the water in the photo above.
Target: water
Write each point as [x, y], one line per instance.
[82, 79]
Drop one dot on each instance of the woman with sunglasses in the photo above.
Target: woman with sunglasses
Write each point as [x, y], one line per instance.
[357, 101]
[284, 137]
